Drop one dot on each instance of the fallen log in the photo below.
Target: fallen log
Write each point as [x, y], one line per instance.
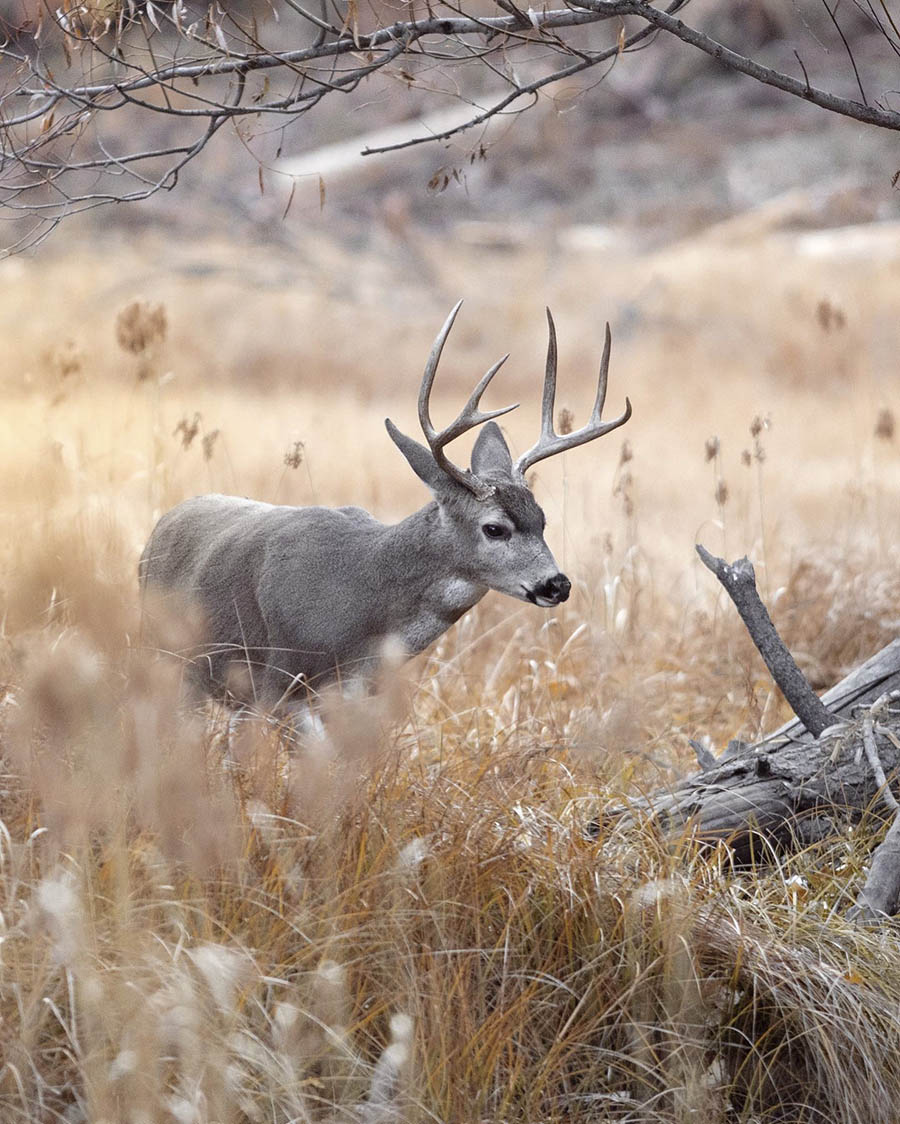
[790, 788]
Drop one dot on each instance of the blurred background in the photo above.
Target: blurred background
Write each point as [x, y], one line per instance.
[744, 247]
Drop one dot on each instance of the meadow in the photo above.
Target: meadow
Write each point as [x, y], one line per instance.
[407, 920]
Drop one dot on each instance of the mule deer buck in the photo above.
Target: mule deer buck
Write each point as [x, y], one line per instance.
[296, 597]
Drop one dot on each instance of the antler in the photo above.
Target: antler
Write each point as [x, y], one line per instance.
[550, 442]
[467, 419]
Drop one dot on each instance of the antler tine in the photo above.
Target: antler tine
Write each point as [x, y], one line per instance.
[431, 367]
[470, 415]
[601, 381]
[550, 442]
[548, 398]
[468, 418]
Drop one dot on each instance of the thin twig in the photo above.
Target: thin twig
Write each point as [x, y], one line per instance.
[831, 15]
[871, 751]
[803, 68]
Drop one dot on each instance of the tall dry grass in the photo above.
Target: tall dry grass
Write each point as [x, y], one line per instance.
[406, 920]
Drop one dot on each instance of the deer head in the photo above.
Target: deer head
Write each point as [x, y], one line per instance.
[496, 525]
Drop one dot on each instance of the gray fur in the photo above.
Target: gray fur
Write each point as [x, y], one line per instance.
[294, 598]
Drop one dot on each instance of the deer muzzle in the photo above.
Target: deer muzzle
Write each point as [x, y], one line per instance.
[553, 591]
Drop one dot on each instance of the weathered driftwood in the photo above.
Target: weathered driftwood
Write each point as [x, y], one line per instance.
[739, 581]
[787, 789]
[837, 759]
[880, 896]
[829, 764]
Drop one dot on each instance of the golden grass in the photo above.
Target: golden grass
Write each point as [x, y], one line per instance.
[407, 921]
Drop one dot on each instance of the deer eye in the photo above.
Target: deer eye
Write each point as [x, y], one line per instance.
[495, 531]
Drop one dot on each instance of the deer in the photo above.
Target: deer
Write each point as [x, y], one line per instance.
[295, 599]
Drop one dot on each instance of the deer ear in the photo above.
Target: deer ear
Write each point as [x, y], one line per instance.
[422, 462]
[490, 456]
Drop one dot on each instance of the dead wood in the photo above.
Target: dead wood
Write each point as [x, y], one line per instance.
[784, 791]
[739, 582]
[790, 788]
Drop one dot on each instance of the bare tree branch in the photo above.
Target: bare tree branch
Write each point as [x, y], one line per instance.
[584, 62]
[845, 107]
[167, 70]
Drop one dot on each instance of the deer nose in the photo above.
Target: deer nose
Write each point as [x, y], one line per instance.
[555, 589]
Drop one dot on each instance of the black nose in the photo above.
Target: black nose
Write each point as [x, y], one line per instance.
[555, 589]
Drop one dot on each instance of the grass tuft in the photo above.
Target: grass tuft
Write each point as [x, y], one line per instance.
[405, 919]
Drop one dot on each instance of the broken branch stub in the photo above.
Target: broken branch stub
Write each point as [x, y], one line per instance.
[739, 582]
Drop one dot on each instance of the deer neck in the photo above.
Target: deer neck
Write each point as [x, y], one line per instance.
[432, 590]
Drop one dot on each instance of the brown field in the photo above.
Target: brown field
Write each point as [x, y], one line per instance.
[407, 921]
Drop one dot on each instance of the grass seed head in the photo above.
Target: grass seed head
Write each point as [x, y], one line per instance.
[141, 326]
[885, 424]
